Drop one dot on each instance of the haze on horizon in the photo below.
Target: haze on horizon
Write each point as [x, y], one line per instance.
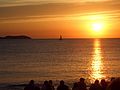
[51, 18]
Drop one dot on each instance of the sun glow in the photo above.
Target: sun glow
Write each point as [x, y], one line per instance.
[97, 27]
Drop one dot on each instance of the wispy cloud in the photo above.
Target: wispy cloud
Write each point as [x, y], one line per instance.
[106, 16]
[38, 10]
[55, 8]
[9, 3]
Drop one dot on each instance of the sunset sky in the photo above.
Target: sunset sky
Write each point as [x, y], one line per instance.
[51, 18]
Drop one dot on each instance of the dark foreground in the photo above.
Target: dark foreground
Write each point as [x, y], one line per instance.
[114, 84]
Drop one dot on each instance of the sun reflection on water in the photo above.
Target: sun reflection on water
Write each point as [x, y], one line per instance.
[97, 64]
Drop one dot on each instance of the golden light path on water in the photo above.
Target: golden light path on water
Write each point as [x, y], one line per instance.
[97, 63]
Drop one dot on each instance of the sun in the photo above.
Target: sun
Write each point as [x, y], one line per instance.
[97, 27]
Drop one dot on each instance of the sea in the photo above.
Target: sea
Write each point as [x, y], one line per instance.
[52, 59]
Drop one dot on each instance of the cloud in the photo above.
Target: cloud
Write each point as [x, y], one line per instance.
[106, 16]
[53, 8]
[57, 11]
[9, 3]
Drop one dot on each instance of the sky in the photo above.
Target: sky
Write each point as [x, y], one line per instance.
[52, 18]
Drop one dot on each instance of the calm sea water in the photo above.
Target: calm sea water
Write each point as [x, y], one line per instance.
[23, 60]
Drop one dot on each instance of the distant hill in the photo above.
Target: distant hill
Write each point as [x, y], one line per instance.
[16, 37]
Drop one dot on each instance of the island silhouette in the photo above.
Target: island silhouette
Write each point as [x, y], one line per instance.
[16, 37]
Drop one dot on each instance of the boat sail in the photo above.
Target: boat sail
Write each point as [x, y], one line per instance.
[60, 37]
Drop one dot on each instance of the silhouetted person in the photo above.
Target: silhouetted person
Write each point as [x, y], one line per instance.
[37, 87]
[75, 86]
[62, 86]
[95, 86]
[112, 79]
[114, 85]
[30, 86]
[103, 84]
[46, 86]
[81, 84]
[51, 85]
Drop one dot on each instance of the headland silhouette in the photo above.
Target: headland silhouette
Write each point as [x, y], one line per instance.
[16, 37]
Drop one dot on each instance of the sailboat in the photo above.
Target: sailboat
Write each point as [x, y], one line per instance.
[60, 37]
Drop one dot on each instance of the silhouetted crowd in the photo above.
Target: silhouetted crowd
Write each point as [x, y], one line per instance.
[114, 84]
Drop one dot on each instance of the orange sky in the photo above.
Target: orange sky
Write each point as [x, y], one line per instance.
[50, 18]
